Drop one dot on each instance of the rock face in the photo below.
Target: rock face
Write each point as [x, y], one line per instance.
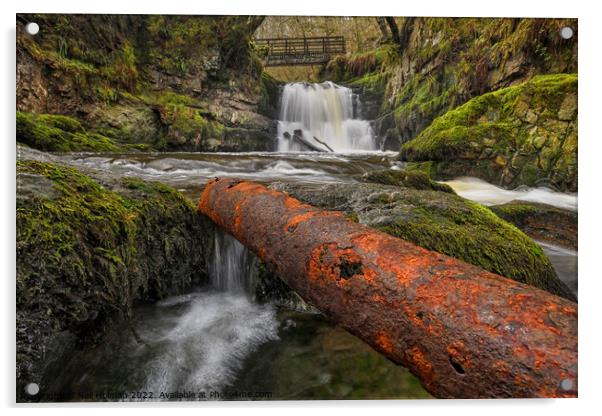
[445, 62]
[439, 221]
[87, 249]
[542, 222]
[161, 82]
[520, 135]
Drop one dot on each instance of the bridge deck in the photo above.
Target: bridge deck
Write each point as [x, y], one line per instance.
[301, 51]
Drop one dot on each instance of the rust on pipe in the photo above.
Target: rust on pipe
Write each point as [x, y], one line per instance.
[463, 331]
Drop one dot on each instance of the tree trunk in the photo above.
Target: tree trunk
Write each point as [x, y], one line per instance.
[253, 23]
[394, 29]
[406, 30]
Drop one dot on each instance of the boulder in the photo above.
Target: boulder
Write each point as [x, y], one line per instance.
[88, 247]
[542, 222]
[439, 221]
[520, 135]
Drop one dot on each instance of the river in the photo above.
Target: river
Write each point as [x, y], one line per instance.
[217, 342]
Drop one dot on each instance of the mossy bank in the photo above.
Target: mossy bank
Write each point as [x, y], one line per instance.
[155, 82]
[441, 63]
[88, 249]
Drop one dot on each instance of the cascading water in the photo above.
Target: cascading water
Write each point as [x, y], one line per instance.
[324, 111]
[196, 342]
[231, 264]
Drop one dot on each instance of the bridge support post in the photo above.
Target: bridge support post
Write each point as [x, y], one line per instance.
[463, 331]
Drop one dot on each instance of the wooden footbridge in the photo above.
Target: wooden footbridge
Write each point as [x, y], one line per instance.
[301, 51]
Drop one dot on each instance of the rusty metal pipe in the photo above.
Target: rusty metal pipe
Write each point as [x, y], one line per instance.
[463, 331]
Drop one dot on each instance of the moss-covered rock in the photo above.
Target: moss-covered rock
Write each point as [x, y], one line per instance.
[449, 61]
[58, 133]
[445, 62]
[87, 249]
[406, 178]
[520, 135]
[151, 82]
[541, 221]
[442, 222]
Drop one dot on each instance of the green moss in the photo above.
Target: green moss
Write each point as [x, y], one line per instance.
[57, 133]
[442, 222]
[515, 212]
[406, 178]
[187, 125]
[54, 229]
[453, 60]
[353, 217]
[473, 233]
[346, 68]
[505, 126]
[87, 251]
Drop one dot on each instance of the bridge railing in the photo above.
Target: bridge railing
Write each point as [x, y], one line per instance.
[301, 51]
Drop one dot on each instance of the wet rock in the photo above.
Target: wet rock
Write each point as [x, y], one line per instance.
[439, 221]
[88, 247]
[542, 222]
[406, 178]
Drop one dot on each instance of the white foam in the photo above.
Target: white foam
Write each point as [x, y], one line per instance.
[487, 194]
[208, 344]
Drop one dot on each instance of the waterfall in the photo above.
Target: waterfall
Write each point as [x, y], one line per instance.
[234, 270]
[230, 265]
[324, 111]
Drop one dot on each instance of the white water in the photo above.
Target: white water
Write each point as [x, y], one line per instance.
[231, 263]
[324, 111]
[488, 194]
[201, 340]
[207, 344]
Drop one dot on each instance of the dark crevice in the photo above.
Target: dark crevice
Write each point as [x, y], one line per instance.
[349, 269]
[456, 365]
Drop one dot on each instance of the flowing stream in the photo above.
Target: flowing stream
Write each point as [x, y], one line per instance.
[217, 342]
[563, 260]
